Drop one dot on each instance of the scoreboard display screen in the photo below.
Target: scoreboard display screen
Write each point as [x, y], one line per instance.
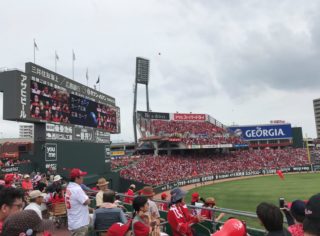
[58, 105]
[55, 98]
[39, 95]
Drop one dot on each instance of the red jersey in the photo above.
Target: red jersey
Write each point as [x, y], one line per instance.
[163, 206]
[27, 185]
[296, 230]
[141, 229]
[129, 199]
[180, 220]
[206, 213]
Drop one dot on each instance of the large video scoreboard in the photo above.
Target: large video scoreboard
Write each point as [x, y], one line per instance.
[70, 110]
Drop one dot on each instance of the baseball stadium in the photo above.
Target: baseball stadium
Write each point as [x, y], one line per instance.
[184, 174]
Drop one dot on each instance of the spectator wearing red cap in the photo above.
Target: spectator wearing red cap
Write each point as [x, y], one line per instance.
[232, 227]
[9, 180]
[11, 202]
[195, 201]
[130, 194]
[163, 206]
[153, 208]
[179, 217]
[77, 204]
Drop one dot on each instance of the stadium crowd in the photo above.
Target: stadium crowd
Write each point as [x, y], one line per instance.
[190, 132]
[164, 169]
[185, 128]
[25, 201]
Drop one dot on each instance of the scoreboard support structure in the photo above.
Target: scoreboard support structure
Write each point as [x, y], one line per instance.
[142, 77]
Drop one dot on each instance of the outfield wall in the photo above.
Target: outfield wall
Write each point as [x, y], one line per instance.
[206, 178]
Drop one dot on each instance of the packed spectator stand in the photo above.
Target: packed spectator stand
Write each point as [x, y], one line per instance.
[190, 132]
[164, 169]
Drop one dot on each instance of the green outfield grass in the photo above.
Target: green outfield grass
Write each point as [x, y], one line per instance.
[246, 194]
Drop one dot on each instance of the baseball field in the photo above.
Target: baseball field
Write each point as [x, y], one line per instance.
[246, 194]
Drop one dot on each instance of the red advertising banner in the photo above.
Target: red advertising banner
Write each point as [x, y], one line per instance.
[175, 139]
[179, 116]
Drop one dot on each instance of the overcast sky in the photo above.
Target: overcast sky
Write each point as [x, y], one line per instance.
[242, 62]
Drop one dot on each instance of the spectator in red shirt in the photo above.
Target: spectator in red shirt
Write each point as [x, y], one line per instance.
[9, 180]
[179, 217]
[26, 183]
[130, 192]
[297, 211]
[209, 214]
[163, 206]
[58, 196]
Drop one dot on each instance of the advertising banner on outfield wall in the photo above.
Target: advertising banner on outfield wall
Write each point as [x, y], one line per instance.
[231, 175]
[256, 132]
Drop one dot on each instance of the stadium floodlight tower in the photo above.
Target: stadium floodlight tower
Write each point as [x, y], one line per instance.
[142, 77]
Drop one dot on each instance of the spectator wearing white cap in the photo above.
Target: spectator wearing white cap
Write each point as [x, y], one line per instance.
[36, 199]
[56, 184]
[26, 183]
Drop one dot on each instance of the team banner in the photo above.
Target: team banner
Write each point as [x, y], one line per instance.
[282, 131]
[192, 117]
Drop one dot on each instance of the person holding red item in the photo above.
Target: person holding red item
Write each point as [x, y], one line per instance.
[179, 217]
[129, 193]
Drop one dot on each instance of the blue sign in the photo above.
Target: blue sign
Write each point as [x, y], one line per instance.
[282, 131]
[242, 145]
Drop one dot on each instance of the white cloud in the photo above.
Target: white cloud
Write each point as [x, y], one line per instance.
[240, 61]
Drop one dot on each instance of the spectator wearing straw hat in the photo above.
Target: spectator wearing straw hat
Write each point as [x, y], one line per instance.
[103, 187]
[26, 223]
[148, 192]
[26, 183]
[77, 204]
[210, 202]
[36, 199]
